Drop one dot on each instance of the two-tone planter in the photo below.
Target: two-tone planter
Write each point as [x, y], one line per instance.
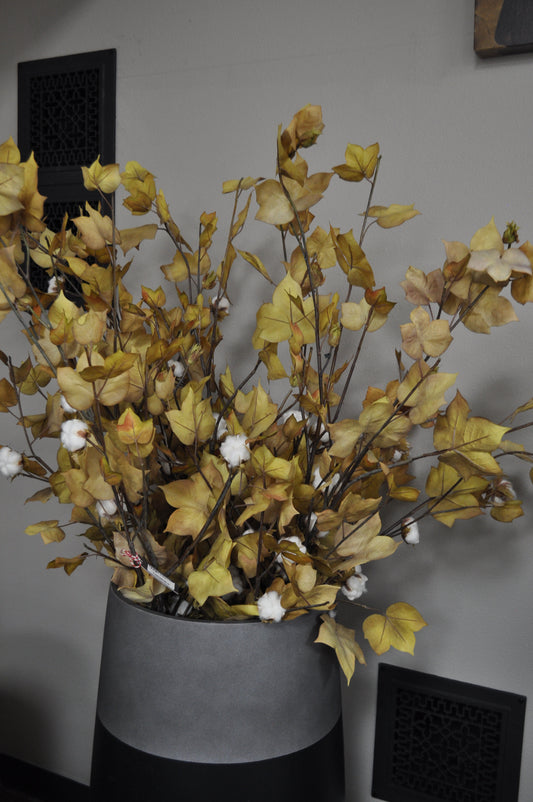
[219, 711]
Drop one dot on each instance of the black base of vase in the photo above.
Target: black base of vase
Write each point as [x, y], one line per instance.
[122, 772]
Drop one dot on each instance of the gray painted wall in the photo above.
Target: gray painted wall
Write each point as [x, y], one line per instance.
[202, 86]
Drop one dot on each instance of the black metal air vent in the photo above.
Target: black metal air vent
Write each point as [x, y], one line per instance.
[439, 740]
[66, 117]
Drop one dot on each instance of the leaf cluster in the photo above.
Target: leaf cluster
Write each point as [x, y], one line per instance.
[300, 503]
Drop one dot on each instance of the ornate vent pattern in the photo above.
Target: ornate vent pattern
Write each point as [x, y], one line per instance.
[445, 748]
[439, 740]
[55, 211]
[65, 118]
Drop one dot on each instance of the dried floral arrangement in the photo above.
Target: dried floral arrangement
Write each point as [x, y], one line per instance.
[204, 495]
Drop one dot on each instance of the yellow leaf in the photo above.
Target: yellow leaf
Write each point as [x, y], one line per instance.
[342, 640]
[278, 205]
[423, 391]
[10, 279]
[259, 412]
[9, 153]
[194, 422]
[11, 185]
[78, 393]
[132, 430]
[360, 162]
[95, 229]
[41, 495]
[362, 542]
[507, 512]
[194, 498]
[487, 238]
[69, 564]
[274, 365]
[140, 183]
[48, 530]
[421, 289]
[354, 315]
[105, 178]
[425, 336]
[391, 216]
[381, 421]
[321, 597]
[180, 267]
[212, 577]
[239, 183]
[396, 628]
[453, 497]
[89, 328]
[246, 550]
[274, 206]
[213, 580]
[468, 443]
[353, 261]
[489, 310]
[256, 262]
[305, 127]
[276, 320]
[143, 594]
[8, 396]
[132, 237]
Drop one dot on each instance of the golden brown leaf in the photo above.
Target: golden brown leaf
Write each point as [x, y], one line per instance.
[342, 640]
[396, 628]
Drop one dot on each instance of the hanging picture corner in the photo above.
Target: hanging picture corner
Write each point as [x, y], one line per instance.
[503, 27]
[66, 117]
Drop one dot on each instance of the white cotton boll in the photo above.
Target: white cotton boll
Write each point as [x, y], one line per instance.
[177, 367]
[237, 582]
[10, 462]
[295, 413]
[355, 586]
[317, 478]
[317, 428]
[74, 434]
[222, 427]
[222, 304]
[269, 606]
[291, 539]
[506, 487]
[313, 518]
[106, 507]
[234, 450]
[52, 285]
[65, 405]
[410, 532]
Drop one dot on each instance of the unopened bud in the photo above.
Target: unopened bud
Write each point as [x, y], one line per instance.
[510, 235]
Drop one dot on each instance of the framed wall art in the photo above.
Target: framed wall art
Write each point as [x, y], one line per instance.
[503, 27]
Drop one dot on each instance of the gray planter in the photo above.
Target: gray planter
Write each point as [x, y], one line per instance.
[215, 706]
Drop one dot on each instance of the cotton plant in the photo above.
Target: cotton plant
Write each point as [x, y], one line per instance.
[263, 493]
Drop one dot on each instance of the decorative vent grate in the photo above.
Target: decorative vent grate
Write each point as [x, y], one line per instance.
[55, 212]
[438, 740]
[65, 118]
